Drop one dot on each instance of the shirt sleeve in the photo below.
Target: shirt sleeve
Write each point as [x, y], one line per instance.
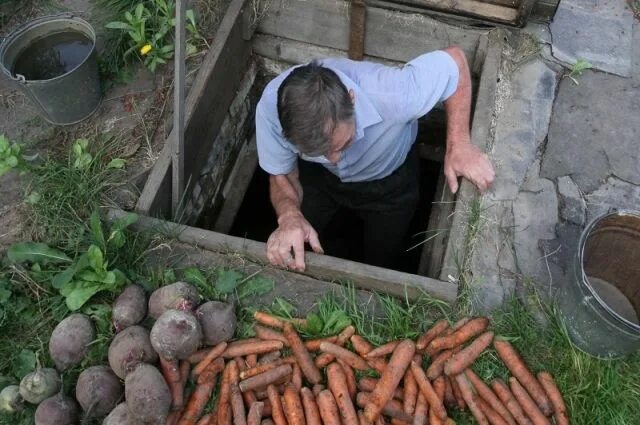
[275, 156]
[414, 89]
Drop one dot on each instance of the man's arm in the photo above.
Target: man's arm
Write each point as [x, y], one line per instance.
[462, 158]
[293, 229]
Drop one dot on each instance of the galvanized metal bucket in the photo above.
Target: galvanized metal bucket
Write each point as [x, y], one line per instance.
[68, 98]
[601, 305]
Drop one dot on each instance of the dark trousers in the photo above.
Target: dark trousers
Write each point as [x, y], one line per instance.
[386, 206]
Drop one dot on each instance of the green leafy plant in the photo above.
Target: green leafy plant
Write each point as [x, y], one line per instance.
[577, 69]
[150, 29]
[83, 159]
[10, 156]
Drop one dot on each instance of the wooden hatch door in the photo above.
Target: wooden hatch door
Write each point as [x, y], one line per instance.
[510, 12]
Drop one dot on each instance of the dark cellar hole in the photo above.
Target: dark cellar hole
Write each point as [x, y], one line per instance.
[343, 237]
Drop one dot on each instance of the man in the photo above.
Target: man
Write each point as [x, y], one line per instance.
[353, 124]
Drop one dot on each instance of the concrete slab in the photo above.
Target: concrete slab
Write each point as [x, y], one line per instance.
[599, 31]
[594, 131]
[613, 194]
[635, 54]
[572, 204]
[521, 127]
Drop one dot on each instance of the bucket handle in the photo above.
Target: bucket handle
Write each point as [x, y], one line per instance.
[24, 27]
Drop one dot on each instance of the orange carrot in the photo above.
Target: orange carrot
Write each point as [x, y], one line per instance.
[249, 398]
[276, 322]
[439, 388]
[277, 411]
[449, 398]
[314, 344]
[311, 412]
[205, 419]
[367, 384]
[201, 394]
[224, 398]
[393, 408]
[173, 417]
[489, 396]
[345, 355]
[383, 350]
[421, 413]
[504, 393]
[470, 399]
[171, 373]
[309, 369]
[457, 393]
[266, 378]
[268, 319]
[211, 355]
[261, 368]
[410, 396]
[519, 369]
[251, 348]
[325, 358]
[527, 403]
[493, 417]
[351, 379]
[237, 406]
[198, 355]
[430, 395]
[293, 406]
[337, 382]
[268, 334]
[361, 345]
[252, 360]
[465, 333]
[317, 388]
[433, 332]
[465, 357]
[254, 417]
[361, 419]
[269, 357]
[436, 368]
[296, 377]
[391, 377]
[328, 408]
[559, 408]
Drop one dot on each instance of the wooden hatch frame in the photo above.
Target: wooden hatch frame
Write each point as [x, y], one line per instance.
[220, 79]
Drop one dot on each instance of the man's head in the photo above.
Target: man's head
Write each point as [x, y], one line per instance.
[316, 111]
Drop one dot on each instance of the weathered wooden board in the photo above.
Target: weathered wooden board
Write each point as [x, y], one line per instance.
[207, 103]
[475, 8]
[322, 267]
[390, 34]
[237, 185]
[481, 137]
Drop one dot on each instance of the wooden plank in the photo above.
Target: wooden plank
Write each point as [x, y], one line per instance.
[357, 31]
[237, 185]
[155, 199]
[404, 285]
[481, 137]
[438, 230]
[479, 9]
[390, 34]
[524, 11]
[177, 154]
[544, 10]
[206, 105]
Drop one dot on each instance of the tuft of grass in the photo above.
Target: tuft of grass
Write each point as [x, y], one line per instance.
[68, 194]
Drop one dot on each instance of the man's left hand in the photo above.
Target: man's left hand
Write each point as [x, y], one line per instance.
[466, 160]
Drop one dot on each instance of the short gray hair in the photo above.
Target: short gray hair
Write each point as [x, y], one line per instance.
[311, 102]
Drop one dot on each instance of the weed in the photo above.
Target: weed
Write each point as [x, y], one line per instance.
[577, 69]
[11, 157]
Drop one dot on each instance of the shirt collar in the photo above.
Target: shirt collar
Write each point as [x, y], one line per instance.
[366, 114]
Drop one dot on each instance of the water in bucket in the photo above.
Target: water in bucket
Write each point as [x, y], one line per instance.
[51, 56]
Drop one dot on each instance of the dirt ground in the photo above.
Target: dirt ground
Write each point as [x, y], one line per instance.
[136, 114]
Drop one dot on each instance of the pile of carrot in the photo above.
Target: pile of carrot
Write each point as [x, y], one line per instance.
[260, 384]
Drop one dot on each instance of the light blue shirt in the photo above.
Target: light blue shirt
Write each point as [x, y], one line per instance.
[388, 103]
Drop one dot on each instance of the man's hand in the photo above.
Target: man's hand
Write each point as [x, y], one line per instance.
[292, 232]
[466, 160]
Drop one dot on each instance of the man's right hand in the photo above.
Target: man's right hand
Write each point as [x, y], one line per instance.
[285, 247]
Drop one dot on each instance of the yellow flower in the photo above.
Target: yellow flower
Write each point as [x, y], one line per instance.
[145, 49]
